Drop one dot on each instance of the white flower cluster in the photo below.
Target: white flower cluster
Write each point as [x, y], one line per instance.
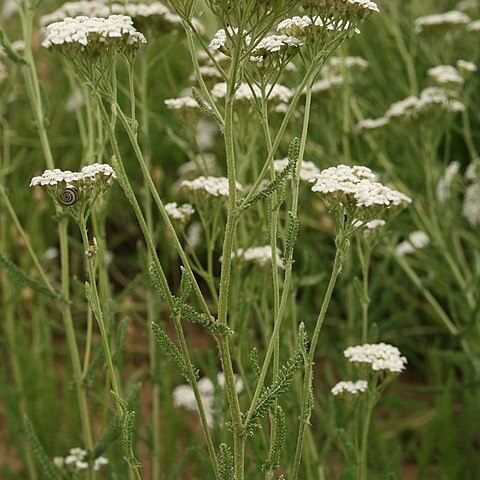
[381, 356]
[352, 388]
[244, 92]
[101, 9]
[113, 31]
[182, 213]
[181, 103]
[221, 38]
[89, 174]
[356, 185]
[308, 170]
[471, 200]
[330, 82]
[431, 98]
[466, 67]
[184, 397]
[305, 26]
[358, 9]
[416, 241]
[474, 26]
[339, 63]
[445, 183]
[262, 256]
[445, 75]
[441, 21]
[76, 461]
[371, 124]
[216, 186]
[3, 72]
[370, 228]
[277, 45]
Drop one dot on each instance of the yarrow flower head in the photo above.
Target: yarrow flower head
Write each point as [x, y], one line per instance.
[445, 183]
[350, 388]
[381, 357]
[76, 191]
[275, 51]
[351, 9]
[276, 93]
[93, 35]
[306, 28]
[154, 14]
[441, 22]
[222, 39]
[262, 256]
[214, 186]
[180, 213]
[182, 103]
[352, 191]
[445, 76]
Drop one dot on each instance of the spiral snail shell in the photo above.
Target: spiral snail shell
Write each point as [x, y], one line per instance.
[69, 195]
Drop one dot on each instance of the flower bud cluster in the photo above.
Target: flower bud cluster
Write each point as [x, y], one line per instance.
[180, 213]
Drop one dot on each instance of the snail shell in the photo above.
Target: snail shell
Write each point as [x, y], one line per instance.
[69, 195]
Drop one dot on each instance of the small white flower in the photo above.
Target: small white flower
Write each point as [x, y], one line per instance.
[220, 39]
[416, 241]
[352, 388]
[58, 461]
[381, 356]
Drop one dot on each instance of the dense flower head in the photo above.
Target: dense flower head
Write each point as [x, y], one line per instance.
[181, 213]
[355, 186]
[260, 255]
[305, 27]
[245, 92]
[431, 99]
[371, 124]
[381, 356]
[328, 84]
[157, 14]
[466, 67]
[276, 48]
[308, 170]
[474, 26]
[351, 388]
[70, 189]
[440, 22]
[222, 38]
[445, 75]
[181, 103]
[215, 186]
[359, 9]
[93, 33]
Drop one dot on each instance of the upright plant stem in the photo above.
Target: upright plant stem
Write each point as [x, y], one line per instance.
[35, 97]
[307, 393]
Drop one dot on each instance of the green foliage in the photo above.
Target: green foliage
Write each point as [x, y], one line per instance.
[225, 460]
[20, 277]
[43, 461]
